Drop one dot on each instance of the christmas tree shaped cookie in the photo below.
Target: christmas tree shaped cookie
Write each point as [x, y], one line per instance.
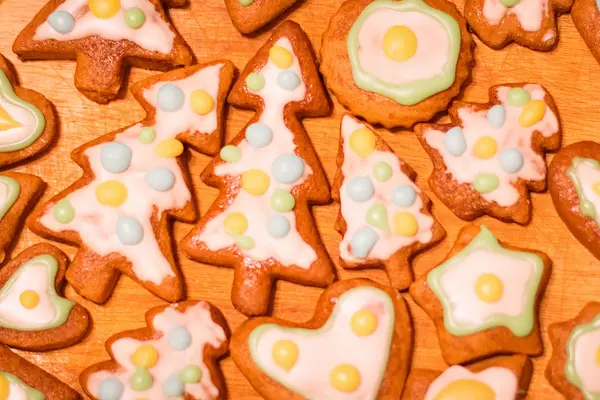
[250, 15]
[134, 181]
[104, 37]
[175, 356]
[32, 314]
[384, 217]
[268, 176]
[491, 155]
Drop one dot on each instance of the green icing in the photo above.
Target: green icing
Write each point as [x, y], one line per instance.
[8, 94]
[411, 93]
[586, 207]
[570, 371]
[32, 394]
[13, 188]
[61, 305]
[520, 325]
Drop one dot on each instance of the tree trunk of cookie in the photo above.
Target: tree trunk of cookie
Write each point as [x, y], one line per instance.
[99, 79]
[251, 292]
[89, 280]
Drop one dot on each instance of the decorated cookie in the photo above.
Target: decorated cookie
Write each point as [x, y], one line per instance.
[575, 362]
[357, 346]
[484, 297]
[21, 380]
[586, 17]
[269, 174]
[531, 23]
[174, 357]
[27, 119]
[384, 217]
[500, 378]
[396, 62]
[488, 159]
[250, 15]
[134, 181]
[104, 37]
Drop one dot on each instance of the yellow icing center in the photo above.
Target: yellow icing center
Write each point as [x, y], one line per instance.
[145, 356]
[464, 389]
[363, 322]
[489, 288]
[362, 142]
[399, 43]
[596, 188]
[111, 193]
[4, 388]
[29, 299]
[169, 148]
[104, 9]
[285, 354]
[485, 147]
[202, 103]
[255, 181]
[345, 378]
[7, 121]
[405, 224]
[281, 57]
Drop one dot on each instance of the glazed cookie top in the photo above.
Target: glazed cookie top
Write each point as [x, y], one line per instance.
[529, 13]
[14, 389]
[10, 189]
[584, 173]
[583, 358]
[457, 382]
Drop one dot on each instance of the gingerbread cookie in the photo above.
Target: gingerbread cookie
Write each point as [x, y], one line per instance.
[20, 379]
[573, 367]
[175, 356]
[396, 62]
[384, 217]
[502, 378]
[488, 159]
[104, 37]
[483, 298]
[27, 119]
[357, 346]
[269, 175]
[586, 17]
[531, 23]
[134, 181]
[250, 15]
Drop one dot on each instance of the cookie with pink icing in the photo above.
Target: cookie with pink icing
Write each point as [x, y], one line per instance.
[586, 17]
[175, 356]
[484, 297]
[491, 155]
[135, 182]
[250, 15]
[269, 175]
[384, 216]
[104, 37]
[357, 346]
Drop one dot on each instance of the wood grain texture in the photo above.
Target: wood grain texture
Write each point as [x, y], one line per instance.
[570, 73]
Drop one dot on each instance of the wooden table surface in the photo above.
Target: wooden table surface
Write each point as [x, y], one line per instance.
[569, 72]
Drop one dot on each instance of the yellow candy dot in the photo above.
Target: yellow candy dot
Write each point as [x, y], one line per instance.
[29, 299]
[4, 388]
[255, 181]
[281, 57]
[169, 148]
[405, 224]
[485, 147]
[399, 43]
[596, 187]
[598, 356]
[489, 288]
[285, 354]
[111, 193]
[345, 378]
[145, 356]
[236, 222]
[362, 141]
[532, 113]
[363, 322]
[466, 389]
[104, 9]
[202, 103]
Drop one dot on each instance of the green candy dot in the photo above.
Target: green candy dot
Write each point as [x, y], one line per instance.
[518, 96]
[147, 135]
[141, 380]
[191, 374]
[255, 81]
[485, 183]
[377, 216]
[245, 242]
[282, 201]
[246, 3]
[509, 3]
[135, 17]
[64, 212]
[382, 171]
[231, 154]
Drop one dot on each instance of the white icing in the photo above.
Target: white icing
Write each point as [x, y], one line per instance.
[588, 176]
[16, 392]
[502, 381]
[586, 366]
[355, 212]
[291, 249]
[464, 168]
[425, 64]
[154, 35]
[205, 332]
[529, 13]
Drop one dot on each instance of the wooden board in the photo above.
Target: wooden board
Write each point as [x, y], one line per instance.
[569, 72]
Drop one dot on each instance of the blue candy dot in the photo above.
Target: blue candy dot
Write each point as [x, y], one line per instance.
[129, 230]
[496, 116]
[278, 226]
[160, 179]
[111, 389]
[259, 135]
[173, 386]
[360, 188]
[180, 338]
[454, 141]
[287, 168]
[511, 160]
[61, 21]
[170, 97]
[404, 196]
[288, 80]
[115, 157]
[363, 241]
